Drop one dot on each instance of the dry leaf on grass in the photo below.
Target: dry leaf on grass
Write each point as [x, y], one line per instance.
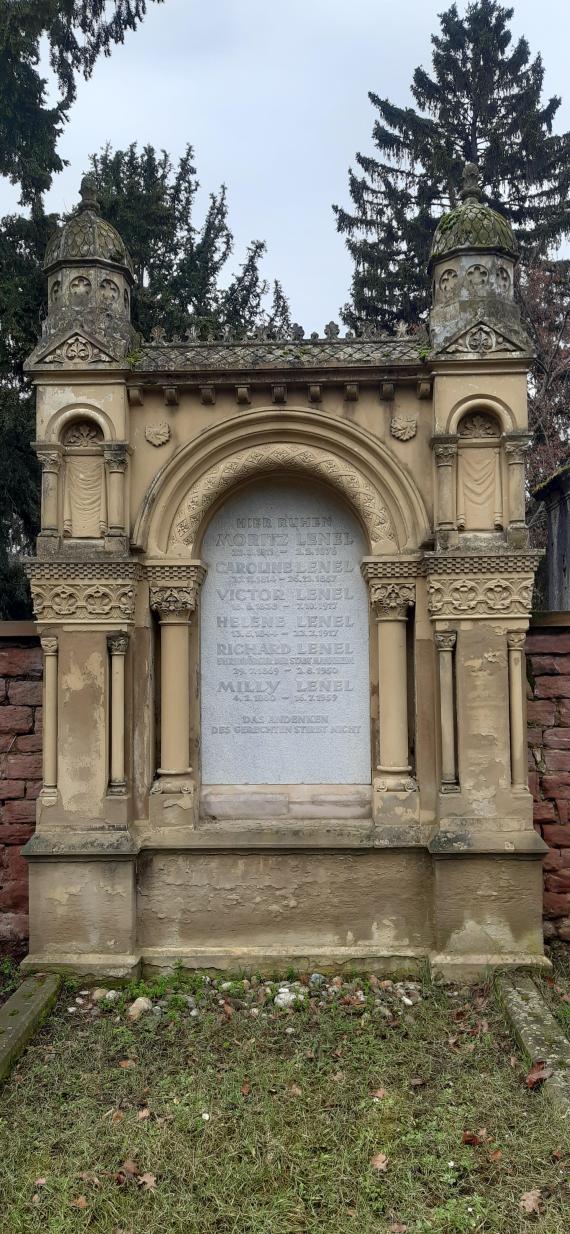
[380, 1162]
[80, 1202]
[397, 1228]
[89, 1177]
[147, 1182]
[474, 1138]
[530, 1201]
[378, 1094]
[538, 1073]
[127, 1064]
[245, 1088]
[40, 1182]
[143, 1114]
[295, 1091]
[496, 1155]
[36, 1197]
[417, 1082]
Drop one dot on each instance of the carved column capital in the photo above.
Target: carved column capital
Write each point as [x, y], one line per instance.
[517, 446]
[49, 645]
[516, 640]
[445, 449]
[116, 455]
[445, 640]
[391, 601]
[49, 457]
[117, 644]
[173, 601]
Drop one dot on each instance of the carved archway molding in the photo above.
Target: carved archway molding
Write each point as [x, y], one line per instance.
[176, 507]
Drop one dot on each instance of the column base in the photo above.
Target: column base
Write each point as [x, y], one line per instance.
[174, 800]
[396, 801]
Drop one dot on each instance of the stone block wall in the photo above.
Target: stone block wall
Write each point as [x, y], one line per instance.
[20, 768]
[548, 691]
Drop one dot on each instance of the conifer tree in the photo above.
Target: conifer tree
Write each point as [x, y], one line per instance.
[481, 102]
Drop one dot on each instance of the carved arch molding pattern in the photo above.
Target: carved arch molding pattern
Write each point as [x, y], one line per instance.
[216, 482]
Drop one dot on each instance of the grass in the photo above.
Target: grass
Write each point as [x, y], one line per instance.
[556, 987]
[266, 1123]
[10, 978]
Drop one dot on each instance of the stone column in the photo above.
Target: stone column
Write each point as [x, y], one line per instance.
[445, 643]
[49, 648]
[516, 446]
[445, 451]
[519, 773]
[50, 461]
[117, 644]
[115, 455]
[390, 604]
[175, 605]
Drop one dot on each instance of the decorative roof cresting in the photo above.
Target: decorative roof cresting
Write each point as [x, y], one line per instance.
[473, 224]
[87, 237]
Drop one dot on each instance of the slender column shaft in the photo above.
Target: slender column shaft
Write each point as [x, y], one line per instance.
[49, 647]
[445, 643]
[50, 492]
[516, 467]
[445, 455]
[117, 644]
[174, 693]
[393, 696]
[519, 775]
[116, 462]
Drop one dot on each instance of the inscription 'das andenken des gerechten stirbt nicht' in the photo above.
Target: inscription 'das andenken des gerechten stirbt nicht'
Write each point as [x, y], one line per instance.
[284, 641]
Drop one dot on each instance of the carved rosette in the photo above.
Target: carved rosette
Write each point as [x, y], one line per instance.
[391, 601]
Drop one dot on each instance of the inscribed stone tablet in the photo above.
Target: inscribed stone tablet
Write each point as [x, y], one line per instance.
[285, 690]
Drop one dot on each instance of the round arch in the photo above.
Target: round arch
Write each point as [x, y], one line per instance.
[495, 406]
[79, 411]
[195, 479]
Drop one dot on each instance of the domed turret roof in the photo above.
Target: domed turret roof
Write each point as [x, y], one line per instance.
[472, 224]
[87, 237]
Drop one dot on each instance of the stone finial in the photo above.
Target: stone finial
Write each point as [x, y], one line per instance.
[88, 195]
[471, 186]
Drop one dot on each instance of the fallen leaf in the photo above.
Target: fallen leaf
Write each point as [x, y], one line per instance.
[80, 1202]
[143, 1114]
[380, 1162]
[496, 1155]
[147, 1182]
[89, 1177]
[397, 1228]
[36, 1197]
[513, 1060]
[379, 1093]
[117, 1116]
[556, 1156]
[310, 1054]
[538, 1073]
[337, 1077]
[417, 1082]
[127, 1064]
[295, 1091]
[40, 1182]
[530, 1201]
[245, 1088]
[474, 1137]
[228, 1011]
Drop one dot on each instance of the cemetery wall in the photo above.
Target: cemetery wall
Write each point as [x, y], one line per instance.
[548, 704]
[20, 768]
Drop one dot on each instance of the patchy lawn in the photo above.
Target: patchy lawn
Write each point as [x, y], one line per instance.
[556, 987]
[365, 1106]
[10, 978]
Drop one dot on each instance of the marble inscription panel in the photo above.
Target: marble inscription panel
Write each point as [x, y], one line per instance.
[285, 690]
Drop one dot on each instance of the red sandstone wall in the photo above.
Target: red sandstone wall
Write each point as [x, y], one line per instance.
[20, 768]
[548, 660]
[548, 672]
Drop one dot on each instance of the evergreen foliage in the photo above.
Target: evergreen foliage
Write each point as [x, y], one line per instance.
[77, 33]
[482, 102]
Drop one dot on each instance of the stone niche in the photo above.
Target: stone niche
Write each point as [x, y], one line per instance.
[285, 691]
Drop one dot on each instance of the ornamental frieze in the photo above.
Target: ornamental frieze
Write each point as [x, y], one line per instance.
[82, 591]
[495, 596]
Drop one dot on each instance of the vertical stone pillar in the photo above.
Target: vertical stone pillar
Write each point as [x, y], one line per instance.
[115, 455]
[390, 604]
[519, 774]
[117, 644]
[445, 643]
[50, 461]
[50, 650]
[516, 446]
[175, 603]
[445, 452]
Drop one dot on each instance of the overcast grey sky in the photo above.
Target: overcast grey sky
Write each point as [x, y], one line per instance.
[272, 94]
